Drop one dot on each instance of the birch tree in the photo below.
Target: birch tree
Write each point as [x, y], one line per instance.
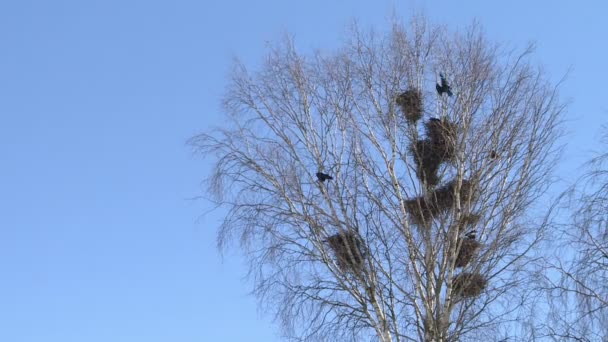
[437, 144]
[577, 276]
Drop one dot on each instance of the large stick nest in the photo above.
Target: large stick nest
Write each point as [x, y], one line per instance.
[421, 210]
[428, 156]
[424, 209]
[469, 284]
[349, 250]
[441, 130]
[444, 134]
[445, 197]
[410, 103]
[468, 249]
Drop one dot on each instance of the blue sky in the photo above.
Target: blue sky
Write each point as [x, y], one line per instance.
[99, 237]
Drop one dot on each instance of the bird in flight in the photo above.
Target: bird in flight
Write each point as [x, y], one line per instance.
[443, 87]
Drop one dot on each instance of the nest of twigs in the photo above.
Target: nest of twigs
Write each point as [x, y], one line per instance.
[410, 102]
[441, 130]
[444, 134]
[469, 284]
[428, 157]
[423, 209]
[468, 249]
[348, 249]
[445, 197]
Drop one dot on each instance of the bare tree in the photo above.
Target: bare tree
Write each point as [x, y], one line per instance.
[577, 277]
[379, 252]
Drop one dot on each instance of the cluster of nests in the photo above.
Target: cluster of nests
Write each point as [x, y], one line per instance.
[350, 253]
[439, 147]
[429, 154]
[424, 209]
[441, 138]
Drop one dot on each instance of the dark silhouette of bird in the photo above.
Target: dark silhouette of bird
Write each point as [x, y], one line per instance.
[472, 235]
[323, 177]
[493, 155]
[443, 87]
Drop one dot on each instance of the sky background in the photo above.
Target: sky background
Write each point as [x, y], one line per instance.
[100, 239]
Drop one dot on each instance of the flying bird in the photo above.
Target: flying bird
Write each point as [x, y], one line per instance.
[323, 177]
[443, 87]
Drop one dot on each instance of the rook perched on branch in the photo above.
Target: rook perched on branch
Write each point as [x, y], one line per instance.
[323, 177]
[472, 235]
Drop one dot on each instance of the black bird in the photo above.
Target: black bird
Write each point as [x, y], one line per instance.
[323, 177]
[472, 235]
[493, 155]
[443, 87]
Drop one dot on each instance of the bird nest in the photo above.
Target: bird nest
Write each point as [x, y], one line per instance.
[468, 249]
[468, 285]
[445, 197]
[444, 133]
[348, 249]
[410, 103]
[423, 209]
[428, 157]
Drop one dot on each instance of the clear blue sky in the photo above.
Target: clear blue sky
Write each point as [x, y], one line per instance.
[98, 238]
